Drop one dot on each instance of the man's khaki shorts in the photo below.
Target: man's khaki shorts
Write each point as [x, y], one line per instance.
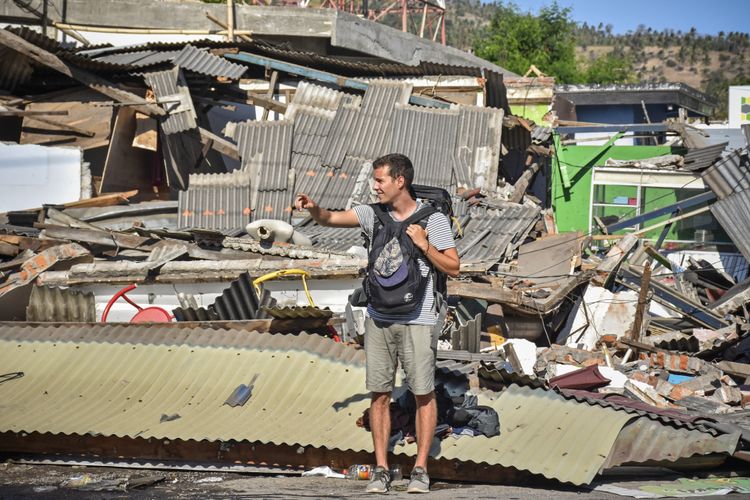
[414, 345]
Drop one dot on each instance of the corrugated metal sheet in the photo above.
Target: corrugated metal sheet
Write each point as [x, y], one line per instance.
[269, 146]
[730, 175]
[205, 63]
[541, 135]
[108, 389]
[673, 418]
[15, 69]
[346, 125]
[286, 250]
[733, 213]
[298, 312]
[365, 131]
[643, 440]
[195, 314]
[161, 335]
[428, 138]
[58, 304]
[498, 373]
[140, 59]
[240, 301]
[674, 341]
[170, 85]
[319, 97]
[66, 54]
[336, 239]
[491, 235]
[216, 201]
[311, 128]
[478, 143]
[273, 204]
[698, 159]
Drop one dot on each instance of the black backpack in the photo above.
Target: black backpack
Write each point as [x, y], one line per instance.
[441, 200]
[405, 296]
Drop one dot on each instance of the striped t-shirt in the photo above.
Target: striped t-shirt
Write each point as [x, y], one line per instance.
[440, 236]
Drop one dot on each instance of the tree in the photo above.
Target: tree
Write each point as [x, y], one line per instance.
[516, 40]
[609, 68]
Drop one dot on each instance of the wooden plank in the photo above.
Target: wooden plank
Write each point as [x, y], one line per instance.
[127, 167]
[97, 237]
[640, 310]
[27, 112]
[101, 85]
[219, 143]
[91, 123]
[736, 369]
[146, 133]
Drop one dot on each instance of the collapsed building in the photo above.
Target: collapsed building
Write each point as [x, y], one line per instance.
[149, 240]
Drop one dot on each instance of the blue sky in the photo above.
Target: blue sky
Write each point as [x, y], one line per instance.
[708, 16]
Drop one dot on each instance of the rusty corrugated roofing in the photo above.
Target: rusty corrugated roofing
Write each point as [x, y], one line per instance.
[644, 440]
[299, 398]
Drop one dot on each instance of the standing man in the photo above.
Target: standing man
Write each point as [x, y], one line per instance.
[409, 335]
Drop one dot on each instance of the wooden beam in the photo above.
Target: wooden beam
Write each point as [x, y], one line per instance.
[640, 310]
[224, 25]
[271, 91]
[64, 126]
[41, 56]
[219, 144]
[24, 112]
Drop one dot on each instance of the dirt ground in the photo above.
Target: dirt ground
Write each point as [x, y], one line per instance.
[44, 481]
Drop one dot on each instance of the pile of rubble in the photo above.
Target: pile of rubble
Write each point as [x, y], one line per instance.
[181, 189]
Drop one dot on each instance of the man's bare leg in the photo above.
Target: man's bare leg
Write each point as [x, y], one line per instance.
[426, 422]
[380, 424]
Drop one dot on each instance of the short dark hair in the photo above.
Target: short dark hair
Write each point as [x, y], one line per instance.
[398, 166]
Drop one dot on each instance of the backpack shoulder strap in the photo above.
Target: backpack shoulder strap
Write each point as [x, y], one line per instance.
[380, 214]
[421, 215]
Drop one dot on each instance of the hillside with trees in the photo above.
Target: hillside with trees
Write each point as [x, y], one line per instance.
[580, 53]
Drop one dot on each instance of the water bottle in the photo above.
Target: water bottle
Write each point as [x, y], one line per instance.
[359, 471]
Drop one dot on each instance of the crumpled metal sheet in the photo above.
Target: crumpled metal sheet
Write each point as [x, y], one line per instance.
[170, 85]
[52, 304]
[40, 263]
[499, 374]
[205, 63]
[646, 440]
[733, 213]
[540, 431]
[283, 250]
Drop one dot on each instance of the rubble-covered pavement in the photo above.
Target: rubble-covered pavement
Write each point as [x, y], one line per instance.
[135, 325]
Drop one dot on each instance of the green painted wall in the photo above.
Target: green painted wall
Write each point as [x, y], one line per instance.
[571, 205]
[530, 111]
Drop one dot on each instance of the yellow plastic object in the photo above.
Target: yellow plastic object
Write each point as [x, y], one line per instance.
[285, 272]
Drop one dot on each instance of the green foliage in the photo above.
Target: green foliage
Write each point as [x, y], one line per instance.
[609, 68]
[516, 40]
